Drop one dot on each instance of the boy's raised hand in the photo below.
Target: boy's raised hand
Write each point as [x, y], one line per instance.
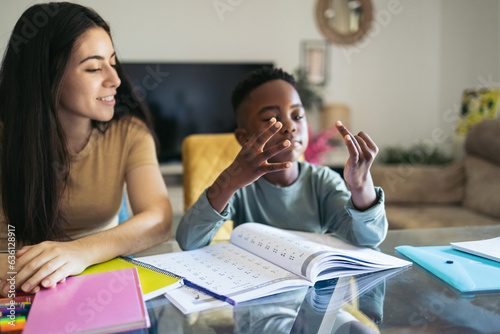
[362, 152]
[252, 158]
[249, 165]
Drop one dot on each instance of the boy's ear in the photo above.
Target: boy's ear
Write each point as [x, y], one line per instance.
[241, 136]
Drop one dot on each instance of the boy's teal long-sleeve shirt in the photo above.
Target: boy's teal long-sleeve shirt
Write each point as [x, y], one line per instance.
[318, 201]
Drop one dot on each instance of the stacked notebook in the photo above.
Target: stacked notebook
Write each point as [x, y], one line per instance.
[105, 302]
[154, 281]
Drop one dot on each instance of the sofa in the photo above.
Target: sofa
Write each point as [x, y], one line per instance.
[462, 193]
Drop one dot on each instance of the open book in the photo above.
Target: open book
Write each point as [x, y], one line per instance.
[190, 300]
[262, 260]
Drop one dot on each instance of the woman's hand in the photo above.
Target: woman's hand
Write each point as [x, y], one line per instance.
[45, 265]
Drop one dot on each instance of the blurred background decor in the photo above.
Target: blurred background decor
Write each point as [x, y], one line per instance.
[320, 143]
[311, 95]
[314, 61]
[477, 104]
[418, 154]
[344, 22]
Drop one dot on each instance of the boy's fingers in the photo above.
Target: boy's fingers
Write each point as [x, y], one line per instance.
[260, 138]
[350, 140]
[342, 129]
[362, 142]
[275, 167]
[272, 151]
[371, 144]
[368, 147]
[355, 140]
[368, 153]
[261, 158]
[268, 134]
[353, 151]
[344, 132]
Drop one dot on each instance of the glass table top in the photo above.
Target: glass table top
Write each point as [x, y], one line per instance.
[408, 300]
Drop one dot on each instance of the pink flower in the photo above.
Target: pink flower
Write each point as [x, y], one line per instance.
[319, 144]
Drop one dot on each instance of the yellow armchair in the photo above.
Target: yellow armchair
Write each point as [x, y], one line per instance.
[204, 157]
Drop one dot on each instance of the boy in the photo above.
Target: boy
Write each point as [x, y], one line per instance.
[267, 184]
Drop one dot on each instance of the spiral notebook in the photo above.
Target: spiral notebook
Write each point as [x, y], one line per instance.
[106, 302]
[154, 281]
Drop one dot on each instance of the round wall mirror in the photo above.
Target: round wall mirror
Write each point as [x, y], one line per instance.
[344, 21]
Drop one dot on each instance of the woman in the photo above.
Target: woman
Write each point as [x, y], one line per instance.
[73, 134]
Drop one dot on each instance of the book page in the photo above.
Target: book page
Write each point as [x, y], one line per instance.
[227, 270]
[310, 259]
[489, 248]
[278, 246]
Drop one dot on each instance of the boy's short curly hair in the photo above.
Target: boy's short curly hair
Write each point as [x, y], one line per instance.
[254, 80]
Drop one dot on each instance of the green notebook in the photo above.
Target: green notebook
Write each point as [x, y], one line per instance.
[154, 281]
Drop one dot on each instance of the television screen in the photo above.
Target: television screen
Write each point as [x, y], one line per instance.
[187, 98]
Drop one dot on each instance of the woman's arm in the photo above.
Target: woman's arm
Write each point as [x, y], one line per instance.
[50, 262]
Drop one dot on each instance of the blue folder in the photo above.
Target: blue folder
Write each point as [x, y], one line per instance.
[465, 272]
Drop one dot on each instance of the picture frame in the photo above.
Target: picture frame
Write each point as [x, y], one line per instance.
[313, 61]
[477, 104]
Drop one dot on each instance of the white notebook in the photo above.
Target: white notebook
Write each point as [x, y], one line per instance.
[488, 248]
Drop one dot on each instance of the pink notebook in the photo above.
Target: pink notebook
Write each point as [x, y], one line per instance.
[96, 303]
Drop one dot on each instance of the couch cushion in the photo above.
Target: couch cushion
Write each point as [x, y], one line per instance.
[482, 186]
[406, 183]
[483, 140]
[433, 216]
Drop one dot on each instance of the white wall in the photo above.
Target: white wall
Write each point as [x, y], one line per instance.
[390, 80]
[470, 48]
[400, 82]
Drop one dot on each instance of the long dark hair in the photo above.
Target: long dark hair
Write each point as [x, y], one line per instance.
[35, 161]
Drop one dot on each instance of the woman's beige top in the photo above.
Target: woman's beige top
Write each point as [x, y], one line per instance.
[94, 192]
